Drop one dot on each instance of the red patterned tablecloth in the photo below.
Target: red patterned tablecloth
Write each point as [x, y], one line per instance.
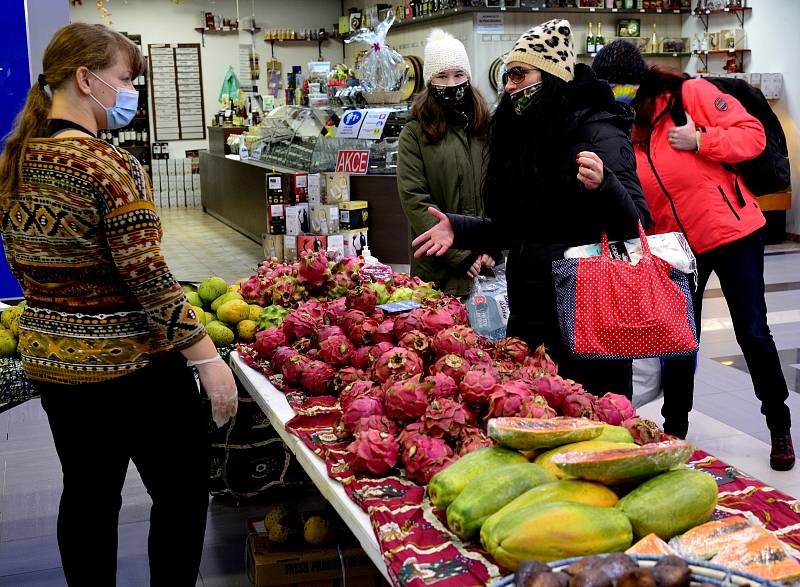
[418, 548]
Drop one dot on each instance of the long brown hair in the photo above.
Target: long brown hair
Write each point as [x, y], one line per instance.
[94, 46]
[431, 116]
[658, 80]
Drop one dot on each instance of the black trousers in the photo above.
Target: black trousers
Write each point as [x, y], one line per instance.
[740, 269]
[156, 418]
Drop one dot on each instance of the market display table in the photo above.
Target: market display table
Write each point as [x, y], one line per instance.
[405, 539]
[275, 406]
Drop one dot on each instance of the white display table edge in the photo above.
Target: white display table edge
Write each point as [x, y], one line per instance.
[274, 404]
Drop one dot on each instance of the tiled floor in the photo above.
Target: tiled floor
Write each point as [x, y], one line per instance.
[726, 422]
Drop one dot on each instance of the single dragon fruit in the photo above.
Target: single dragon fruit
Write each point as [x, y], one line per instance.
[477, 386]
[315, 309]
[335, 312]
[452, 365]
[406, 322]
[406, 400]
[379, 423]
[362, 298]
[345, 376]
[385, 332]
[535, 406]
[512, 348]
[268, 341]
[400, 280]
[644, 431]
[507, 398]
[578, 404]
[365, 357]
[410, 433]
[445, 418]
[472, 438]
[397, 363]
[327, 332]
[440, 386]
[417, 341]
[373, 452]
[355, 390]
[362, 406]
[435, 320]
[287, 292]
[477, 357]
[363, 332]
[350, 319]
[338, 285]
[426, 457]
[280, 356]
[313, 269]
[552, 387]
[541, 362]
[350, 265]
[299, 324]
[293, 368]
[613, 409]
[336, 350]
[455, 308]
[449, 341]
[316, 378]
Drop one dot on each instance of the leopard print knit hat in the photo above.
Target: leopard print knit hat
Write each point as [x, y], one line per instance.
[548, 47]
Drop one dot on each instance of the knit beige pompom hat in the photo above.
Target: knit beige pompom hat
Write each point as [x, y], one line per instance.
[442, 52]
[547, 47]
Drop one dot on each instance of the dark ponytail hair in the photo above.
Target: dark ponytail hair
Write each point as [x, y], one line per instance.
[657, 80]
[75, 45]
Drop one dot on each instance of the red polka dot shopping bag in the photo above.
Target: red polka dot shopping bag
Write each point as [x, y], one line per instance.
[611, 309]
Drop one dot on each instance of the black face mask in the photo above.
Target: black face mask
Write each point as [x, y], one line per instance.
[450, 95]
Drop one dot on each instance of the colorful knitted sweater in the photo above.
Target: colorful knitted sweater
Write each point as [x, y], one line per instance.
[82, 236]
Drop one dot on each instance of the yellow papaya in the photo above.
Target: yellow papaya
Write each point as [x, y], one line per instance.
[555, 531]
[616, 434]
[546, 458]
[445, 486]
[671, 503]
[489, 492]
[572, 490]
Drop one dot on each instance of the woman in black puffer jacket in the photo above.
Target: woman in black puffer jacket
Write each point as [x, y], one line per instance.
[561, 171]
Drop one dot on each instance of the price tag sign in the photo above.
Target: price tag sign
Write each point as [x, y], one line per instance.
[353, 161]
[350, 124]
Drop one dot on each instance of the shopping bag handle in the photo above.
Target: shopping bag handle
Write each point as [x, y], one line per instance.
[606, 250]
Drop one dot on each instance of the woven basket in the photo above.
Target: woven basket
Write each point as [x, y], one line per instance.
[702, 572]
[379, 97]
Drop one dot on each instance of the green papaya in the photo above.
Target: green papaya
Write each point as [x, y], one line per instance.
[572, 490]
[489, 492]
[671, 503]
[616, 434]
[445, 486]
[557, 530]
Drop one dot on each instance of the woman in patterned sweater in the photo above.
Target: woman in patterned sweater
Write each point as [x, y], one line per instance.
[107, 331]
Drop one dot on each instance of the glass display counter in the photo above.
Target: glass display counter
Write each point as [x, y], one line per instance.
[302, 139]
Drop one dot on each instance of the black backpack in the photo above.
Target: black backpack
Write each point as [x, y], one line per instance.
[768, 172]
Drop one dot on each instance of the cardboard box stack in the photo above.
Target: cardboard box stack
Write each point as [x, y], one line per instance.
[307, 212]
[174, 184]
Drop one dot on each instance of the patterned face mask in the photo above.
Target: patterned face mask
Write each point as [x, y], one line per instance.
[450, 95]
[524, 98]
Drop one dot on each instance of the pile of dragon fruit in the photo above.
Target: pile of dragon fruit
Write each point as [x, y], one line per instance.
[416, 389]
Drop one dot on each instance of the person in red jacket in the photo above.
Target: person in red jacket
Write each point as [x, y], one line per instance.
[680, 155]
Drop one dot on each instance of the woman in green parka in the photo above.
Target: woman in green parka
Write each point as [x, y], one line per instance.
[441, 160]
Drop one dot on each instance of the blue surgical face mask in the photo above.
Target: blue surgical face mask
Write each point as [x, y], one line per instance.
[124, 108]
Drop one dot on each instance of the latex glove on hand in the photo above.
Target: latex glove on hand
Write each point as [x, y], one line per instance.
[218, 382]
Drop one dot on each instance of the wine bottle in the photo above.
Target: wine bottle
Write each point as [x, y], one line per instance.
[599, 40]
[654, 48]
[590, 41]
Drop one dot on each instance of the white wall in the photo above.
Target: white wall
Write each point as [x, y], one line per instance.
[163, 21]
[43, 18]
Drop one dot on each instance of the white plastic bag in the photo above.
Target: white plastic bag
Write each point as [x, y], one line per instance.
[382, 69]
[487, 306]
[670, 246]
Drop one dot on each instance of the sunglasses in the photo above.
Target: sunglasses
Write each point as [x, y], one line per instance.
[516, 75]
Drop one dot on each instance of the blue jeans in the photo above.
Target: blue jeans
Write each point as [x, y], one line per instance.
[740, 268]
